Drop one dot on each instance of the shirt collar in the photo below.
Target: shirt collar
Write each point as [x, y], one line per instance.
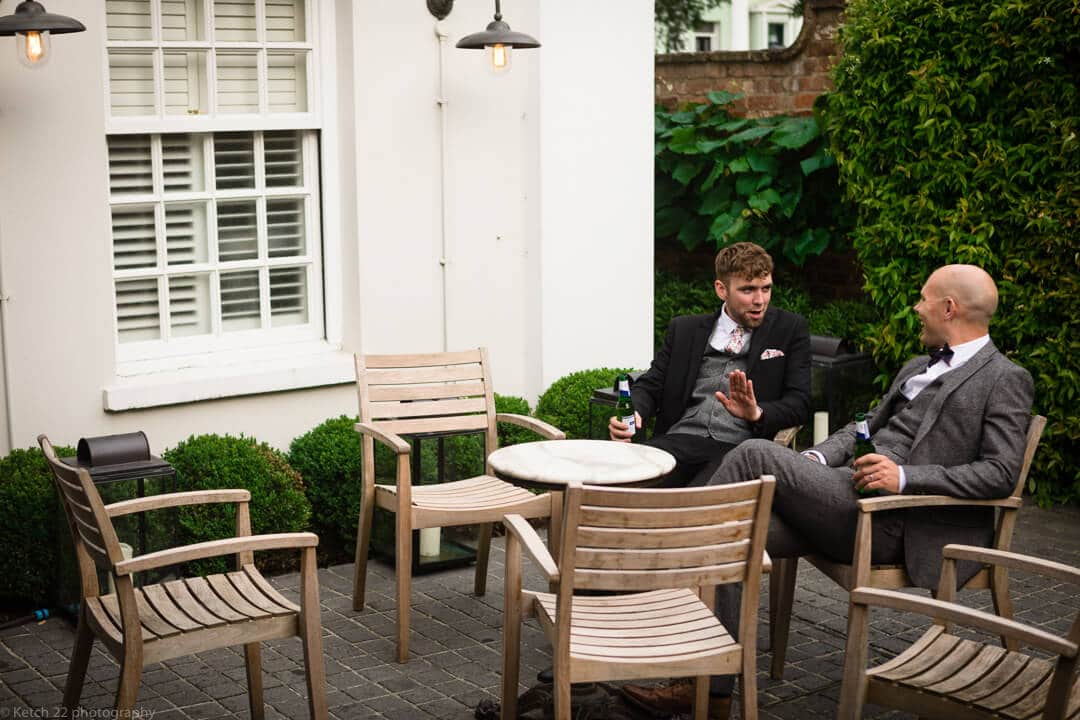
[965, 351]
[722, 330]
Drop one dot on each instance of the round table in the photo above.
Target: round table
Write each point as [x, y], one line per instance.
[553, 464]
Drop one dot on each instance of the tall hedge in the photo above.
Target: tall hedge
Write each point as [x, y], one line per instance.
[955, 125]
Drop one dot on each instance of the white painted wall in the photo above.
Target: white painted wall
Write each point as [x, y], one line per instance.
[549, 199]
[596, 185]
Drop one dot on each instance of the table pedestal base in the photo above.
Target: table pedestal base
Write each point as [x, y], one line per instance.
[588, 701]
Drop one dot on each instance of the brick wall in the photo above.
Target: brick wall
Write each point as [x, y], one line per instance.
[773, 82]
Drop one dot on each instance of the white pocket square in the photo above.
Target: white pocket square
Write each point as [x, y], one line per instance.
[771, 353]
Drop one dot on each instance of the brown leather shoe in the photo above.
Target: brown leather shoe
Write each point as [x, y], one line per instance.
[678, 697]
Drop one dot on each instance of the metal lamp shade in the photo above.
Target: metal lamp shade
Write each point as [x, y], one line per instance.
[497, 33]
[30, 16]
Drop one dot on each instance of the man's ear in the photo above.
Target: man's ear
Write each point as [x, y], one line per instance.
[721, 290]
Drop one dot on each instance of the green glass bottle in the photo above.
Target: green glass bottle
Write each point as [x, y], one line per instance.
[863, 444]
[624, 406]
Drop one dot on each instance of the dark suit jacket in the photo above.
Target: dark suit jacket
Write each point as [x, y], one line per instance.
[970, 445]
[781, 384]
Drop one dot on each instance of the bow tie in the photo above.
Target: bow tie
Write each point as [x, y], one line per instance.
[942, 353]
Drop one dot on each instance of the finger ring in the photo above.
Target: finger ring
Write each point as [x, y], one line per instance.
[870, 477]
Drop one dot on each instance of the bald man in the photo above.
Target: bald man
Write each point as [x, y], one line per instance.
[953, 423]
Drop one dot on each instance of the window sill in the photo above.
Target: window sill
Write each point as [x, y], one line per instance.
[223, 375]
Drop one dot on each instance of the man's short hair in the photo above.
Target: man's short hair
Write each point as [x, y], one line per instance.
[745, 260]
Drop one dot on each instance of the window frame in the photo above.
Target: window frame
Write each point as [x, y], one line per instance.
[258, 367]
[161, 123]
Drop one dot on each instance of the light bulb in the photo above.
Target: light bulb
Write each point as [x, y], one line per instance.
[32, 47]
[500, 57]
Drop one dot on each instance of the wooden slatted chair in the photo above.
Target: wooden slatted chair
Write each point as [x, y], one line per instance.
[139, 626]
[434, 393]
[891, 577]
[942, 675]
[664, 551]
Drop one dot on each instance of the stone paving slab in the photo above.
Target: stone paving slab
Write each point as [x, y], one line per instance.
[456, 647]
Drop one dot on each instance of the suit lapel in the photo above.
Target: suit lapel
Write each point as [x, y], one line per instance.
[697, 351]
[758, 340]
[949, 382]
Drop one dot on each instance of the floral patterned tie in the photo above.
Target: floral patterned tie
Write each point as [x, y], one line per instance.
[735, 342]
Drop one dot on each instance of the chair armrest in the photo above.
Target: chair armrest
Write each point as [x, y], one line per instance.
[216, 548]
[159, 502]
[529, 423]
[530, 540]
[391, 440]
[898, 502]
[1014, 561]
[785, 437]
[969, 617]
[766, 563]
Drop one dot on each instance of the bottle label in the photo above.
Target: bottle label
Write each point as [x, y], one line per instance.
[629, 420]
[862, 430]
[624, 387]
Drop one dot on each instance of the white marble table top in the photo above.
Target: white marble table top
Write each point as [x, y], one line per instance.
[555, 463]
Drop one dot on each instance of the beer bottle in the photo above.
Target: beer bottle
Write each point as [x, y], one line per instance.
[863, 444]
[624, 406]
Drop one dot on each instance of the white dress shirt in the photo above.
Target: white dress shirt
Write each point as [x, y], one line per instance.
[721, 333]
[916, 383]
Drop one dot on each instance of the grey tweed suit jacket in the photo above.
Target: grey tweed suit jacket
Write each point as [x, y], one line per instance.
[970, 445]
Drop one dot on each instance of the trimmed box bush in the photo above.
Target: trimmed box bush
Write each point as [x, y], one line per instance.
[34, 526]
[565, 404]
[278, 503]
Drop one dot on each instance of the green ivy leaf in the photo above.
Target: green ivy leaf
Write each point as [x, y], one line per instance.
[686, 170]
[795, 133]
[715, 174]
[764, 200]
[722, 97]
[739, 165]
[751, 133]
[716, 200]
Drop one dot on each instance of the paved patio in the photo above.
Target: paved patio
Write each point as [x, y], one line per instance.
[456, 650]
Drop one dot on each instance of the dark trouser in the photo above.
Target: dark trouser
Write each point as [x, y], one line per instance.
[696, 458]
[814, 511]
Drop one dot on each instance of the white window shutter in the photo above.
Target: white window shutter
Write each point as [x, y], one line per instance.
[240, 300]
[134, 237]
[131, 169]
[128, 19]
[288, 296]
[137, 315]
[284, 159]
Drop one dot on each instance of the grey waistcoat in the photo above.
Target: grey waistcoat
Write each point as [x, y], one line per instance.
[895, 439]
[705, 416]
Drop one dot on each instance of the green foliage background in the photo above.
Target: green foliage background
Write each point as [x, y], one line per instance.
[955, 128]
[722, 179]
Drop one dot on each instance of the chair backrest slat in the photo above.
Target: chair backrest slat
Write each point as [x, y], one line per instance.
[414, 375]
[632, 539]
[662, 558]
[424, 393]
[419, 360]
[427, 408]
[681, 517]
[90, 525]
[606, 537]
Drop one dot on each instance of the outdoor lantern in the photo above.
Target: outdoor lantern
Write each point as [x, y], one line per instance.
[497, 40]
[32, 27]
